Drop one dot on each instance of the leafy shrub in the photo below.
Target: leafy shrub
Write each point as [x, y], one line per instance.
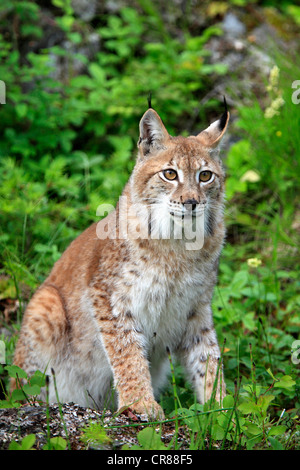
[67, 144]
[265, 164]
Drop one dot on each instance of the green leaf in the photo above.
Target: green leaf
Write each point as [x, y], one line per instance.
[28, 442]
[248, 321]
[7, 289]
[9, 404]
[18, 395]
[14, 446]
[150, 440]
[228, 401]
[217, 432]
[14, 371]
[21, 109]
[264, 401]
[285, 382]
[239, 280]
[31, 389]
[277, 430]
[97, 72]
[251, 441]
[253, 429]
[247, 407]
[271, 374]
[59, 443]
[39, 378]
[276, 445]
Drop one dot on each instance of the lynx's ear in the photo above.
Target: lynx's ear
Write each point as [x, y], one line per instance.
[153, 134]
[211, 137]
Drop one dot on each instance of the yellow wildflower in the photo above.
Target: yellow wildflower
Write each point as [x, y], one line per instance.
[274, 76]
[251, 176]
[253, 262]
[272, 110]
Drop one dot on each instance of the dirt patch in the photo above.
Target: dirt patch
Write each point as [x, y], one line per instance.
[16, 423]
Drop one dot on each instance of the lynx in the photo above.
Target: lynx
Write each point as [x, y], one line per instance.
[115, 307]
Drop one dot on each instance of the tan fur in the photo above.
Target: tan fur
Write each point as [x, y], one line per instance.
[110, 308]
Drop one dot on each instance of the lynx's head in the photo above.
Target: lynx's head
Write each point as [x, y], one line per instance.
[178, 178]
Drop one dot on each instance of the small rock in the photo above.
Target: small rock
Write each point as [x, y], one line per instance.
[232, 26]
[85, 9]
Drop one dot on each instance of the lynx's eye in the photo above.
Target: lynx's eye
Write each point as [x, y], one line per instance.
[205, 176]
[170, 174]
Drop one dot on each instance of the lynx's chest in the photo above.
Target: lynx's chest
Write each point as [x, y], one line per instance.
[160, 297]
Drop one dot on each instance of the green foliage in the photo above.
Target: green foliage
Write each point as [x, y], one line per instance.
[56, 443]
[66, 144]
[257, 298]
[244, 421]
[265, 163]
[148, 439]
[28, 387]
[27, 443]
[94, 435]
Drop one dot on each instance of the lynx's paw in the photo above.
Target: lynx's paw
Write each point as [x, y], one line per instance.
[217, 395]
[214, 385]
[147, 409]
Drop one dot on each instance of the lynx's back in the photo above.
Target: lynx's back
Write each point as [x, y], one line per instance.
[138, 283]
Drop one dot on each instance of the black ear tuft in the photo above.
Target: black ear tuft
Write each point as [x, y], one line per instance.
[149, 100]
[223, 119]
[153, 134]
[211, 137]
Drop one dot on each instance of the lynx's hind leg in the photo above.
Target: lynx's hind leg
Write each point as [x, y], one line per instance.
[44, 332]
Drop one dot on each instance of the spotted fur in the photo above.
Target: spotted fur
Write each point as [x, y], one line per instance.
[111, 308]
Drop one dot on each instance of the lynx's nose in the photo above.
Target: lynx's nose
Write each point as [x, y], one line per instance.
[192, 203]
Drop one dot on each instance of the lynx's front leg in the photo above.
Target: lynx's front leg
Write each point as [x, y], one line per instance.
[200, 354]
[123, 344]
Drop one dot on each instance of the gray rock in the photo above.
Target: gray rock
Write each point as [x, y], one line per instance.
[232, 26]
[85, 9]
[16, 423]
